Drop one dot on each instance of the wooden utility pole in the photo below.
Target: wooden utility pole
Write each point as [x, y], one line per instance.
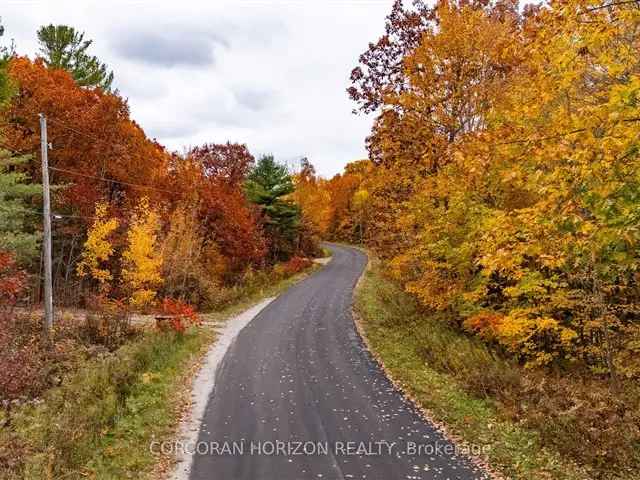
[46, 240]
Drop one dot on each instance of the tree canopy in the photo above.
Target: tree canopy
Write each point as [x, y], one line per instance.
[63, 47]
[268, 185]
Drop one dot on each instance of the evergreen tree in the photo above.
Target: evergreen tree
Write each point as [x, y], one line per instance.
[16, 232]
[63, 47]
[268, 185]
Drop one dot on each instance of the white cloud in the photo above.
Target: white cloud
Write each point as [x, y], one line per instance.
[271, 74]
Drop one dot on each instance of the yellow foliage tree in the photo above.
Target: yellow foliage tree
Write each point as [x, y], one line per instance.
[142, 259]
[98, 249]
[193, 267]
[313, 199]
[505, 186]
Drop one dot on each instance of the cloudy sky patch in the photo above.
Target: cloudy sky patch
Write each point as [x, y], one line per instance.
[165, 49]
[271, 74]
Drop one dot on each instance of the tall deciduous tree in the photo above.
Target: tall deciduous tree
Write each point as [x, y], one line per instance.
[142, 259]
[505, 164]
[313, 199]
[63, 47]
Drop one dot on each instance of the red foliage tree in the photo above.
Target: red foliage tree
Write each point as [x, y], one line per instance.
[227, 163]
[90, 132]
[215, 174]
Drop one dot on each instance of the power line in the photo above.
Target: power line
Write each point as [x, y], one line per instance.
[96, 177]
[102, 178]
[88, 135]
[111, 180]
[54, 215]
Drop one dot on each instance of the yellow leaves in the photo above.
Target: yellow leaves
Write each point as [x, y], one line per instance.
[507, 177]
[97, 248]
[314, 198]
[360, 199]
[537, 338]
[142, 260]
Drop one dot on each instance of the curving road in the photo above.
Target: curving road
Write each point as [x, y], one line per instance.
[298, 397]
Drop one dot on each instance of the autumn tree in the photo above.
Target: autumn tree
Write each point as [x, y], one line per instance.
[435, 73]
[63, 47]
[98, 153]
[193, 267]
[98, 248]
[91, 133]
[142, 259]
[505, 165]
[381, 69]
[313, 198]
[228, 163]
[230, 220]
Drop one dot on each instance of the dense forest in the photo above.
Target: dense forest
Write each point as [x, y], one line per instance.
[502, 191]
[501, 196]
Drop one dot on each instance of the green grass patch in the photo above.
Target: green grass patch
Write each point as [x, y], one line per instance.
[249, 295]
[424, 355]
[100, 422]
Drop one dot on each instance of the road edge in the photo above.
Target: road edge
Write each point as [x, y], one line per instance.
[427, 416]
[203, 385]
[202, 382]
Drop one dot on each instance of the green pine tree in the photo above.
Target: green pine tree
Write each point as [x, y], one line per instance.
[268, 185]
[63, 47]
[17, 229]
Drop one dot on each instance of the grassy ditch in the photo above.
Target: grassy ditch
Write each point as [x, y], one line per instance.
[526, 418]
[99, 423]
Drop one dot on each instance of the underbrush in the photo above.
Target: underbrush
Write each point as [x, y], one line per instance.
[30, 364]
[538, 423]
[255, 282]
[99, 422]
[87, 402]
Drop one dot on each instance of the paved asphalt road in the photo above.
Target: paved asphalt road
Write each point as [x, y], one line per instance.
[298, 397]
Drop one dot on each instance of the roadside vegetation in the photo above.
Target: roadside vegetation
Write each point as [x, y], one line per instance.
[501, 194]
[93, 411]
[139, 233]
[521, 418]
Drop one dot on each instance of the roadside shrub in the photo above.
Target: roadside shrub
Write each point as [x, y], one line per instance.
[295, 265]
[182, 315]
[254, 282]
[109, 324]
[71, 432]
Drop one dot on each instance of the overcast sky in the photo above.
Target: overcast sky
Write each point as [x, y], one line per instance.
[271, 74]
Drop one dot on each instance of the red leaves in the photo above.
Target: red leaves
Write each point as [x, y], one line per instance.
[295, 265]
[91, 134]
[181, 314]
[485, 324]
[227, 163]
[12, 281]
[381, 66]
[215, 174]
